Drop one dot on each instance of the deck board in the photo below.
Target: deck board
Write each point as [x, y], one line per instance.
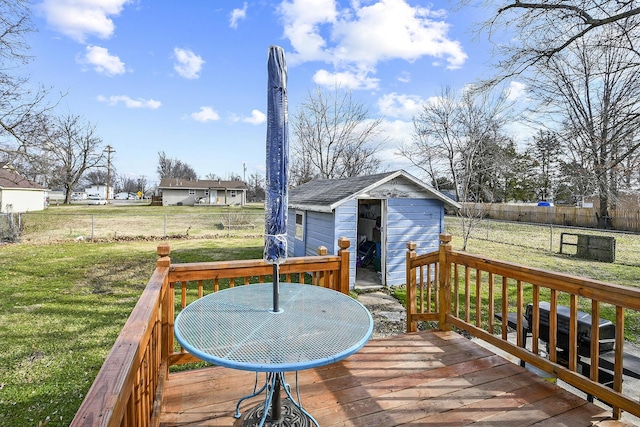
[427, 378]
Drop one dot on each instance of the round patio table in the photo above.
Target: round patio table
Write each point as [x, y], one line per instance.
[237, 328]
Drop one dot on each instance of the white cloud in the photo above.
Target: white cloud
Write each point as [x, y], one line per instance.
[401, 106]
[80, 19]
[237, 15]
[128, 102]
[206, 114]
[345, 80]
[188, 64]
[404, 77]
[361, 36]
[257, 117]
[516, 91]
[102, 61]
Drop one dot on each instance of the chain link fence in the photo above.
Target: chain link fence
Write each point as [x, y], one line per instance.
[545, 236]
[38, 227]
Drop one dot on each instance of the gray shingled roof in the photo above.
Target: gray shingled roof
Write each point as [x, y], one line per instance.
[323, 192]
[327, 194]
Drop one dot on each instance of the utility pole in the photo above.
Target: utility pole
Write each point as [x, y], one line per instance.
[109, 150]
[244, 176]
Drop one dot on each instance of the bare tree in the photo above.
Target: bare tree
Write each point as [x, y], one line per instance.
[335, 138]
[98, 176]
[73, 146]
[174, 168]
[461, 137]
[591, 91]
[20, 104]
[537, 30]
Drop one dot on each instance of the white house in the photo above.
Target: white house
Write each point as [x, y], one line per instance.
[17, 194]
[186, 192]
[99, 190]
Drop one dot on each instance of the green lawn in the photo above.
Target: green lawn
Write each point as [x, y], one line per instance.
[63, 303]
[62, 307]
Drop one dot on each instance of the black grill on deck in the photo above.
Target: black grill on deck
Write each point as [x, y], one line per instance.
[607, 329]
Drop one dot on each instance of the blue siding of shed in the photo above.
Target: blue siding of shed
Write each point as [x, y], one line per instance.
[417, 220]
[346, 226]
[319, 232]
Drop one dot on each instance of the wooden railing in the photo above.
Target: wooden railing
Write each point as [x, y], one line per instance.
[460, 290]
[128, 388]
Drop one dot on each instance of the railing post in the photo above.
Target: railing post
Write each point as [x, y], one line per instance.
[412, 326]
[343, 284]
[163, 251]
[445, 281]
[323, 277]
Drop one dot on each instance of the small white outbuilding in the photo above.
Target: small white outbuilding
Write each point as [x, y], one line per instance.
[18, 194]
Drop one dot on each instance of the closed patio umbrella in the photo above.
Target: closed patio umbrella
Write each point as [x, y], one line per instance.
[275, 239]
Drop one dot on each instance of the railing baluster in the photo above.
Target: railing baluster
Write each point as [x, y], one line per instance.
[183, 295]
[505, 309]
[595, 340]
[553, 325]
[467, 295]
[456, 290]
[573, 332]
[618, 356]
[519, 307]
[421, 288]
[491, 302]
[535, 316]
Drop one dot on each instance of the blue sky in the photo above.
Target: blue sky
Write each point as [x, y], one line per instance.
[189, 77]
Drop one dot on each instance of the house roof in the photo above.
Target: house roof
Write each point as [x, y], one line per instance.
[324, 195]
[10, 179]
[206, 184]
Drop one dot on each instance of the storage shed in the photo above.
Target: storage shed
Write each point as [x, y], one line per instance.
[378, 213]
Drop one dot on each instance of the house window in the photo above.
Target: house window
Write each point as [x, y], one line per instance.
[233, 193]
[300, 225]
[192, 192]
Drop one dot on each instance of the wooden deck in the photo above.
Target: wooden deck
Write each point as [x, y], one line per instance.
[427, 378]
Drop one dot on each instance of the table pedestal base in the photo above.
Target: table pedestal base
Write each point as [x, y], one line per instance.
[291, 416]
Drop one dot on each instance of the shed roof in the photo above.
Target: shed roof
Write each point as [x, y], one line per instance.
[180, 183]
[324, 195]
[11, 179]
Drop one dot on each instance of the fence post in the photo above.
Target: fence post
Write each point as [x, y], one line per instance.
[445, 281]
[345, 266]
[163, 250]
[412, 326]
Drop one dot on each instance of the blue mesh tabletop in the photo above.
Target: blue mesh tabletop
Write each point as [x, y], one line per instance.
[237, 327]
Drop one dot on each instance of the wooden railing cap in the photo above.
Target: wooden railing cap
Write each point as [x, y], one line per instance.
[164, 249]
[344, 243]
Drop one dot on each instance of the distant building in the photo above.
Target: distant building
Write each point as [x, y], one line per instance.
[185, 192]
[18, 194]
[98, 190]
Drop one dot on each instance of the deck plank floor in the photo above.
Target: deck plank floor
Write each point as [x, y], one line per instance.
[427, 378]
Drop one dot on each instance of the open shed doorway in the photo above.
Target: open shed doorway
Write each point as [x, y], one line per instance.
[370, 259]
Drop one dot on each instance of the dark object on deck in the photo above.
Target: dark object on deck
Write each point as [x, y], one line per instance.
[607, 329]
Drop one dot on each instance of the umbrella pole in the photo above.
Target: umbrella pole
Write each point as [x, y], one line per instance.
[276, 288]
